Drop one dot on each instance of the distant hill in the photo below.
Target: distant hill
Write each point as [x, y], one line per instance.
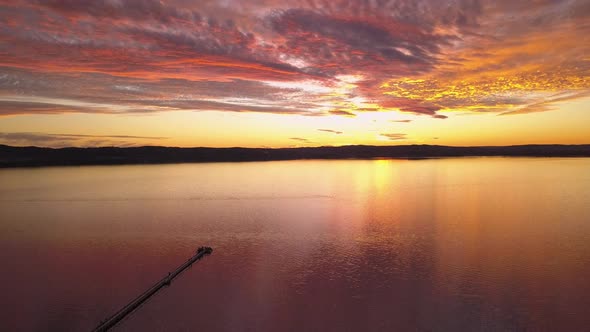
[34, 156]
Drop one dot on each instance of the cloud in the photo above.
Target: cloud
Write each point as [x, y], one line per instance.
[331, 131]
[412, 106]
[114, 38]
[325, 40]
[342, 112]
[131, 9]
[22, 88]
[318, 57]
[548, 104]
[394, 136]
[300, 139]
[64, 140]
[134, 97]
[10, 107]
[107, 136]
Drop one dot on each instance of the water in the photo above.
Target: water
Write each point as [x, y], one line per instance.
[479, 244]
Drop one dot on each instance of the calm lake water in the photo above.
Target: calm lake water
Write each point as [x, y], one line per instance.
[466, 244]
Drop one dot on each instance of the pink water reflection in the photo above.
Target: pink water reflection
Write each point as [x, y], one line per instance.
[444, 245]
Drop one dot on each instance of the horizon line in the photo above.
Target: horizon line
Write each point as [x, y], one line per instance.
[285, 148]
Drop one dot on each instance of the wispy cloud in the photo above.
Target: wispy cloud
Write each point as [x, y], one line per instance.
[331, 131]
[63, 140]
[394, 136]
[300, 139]
[549, 103]
[342, 112]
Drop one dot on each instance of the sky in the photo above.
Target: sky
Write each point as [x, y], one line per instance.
[274, 73]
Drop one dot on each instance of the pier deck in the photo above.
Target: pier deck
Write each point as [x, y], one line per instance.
[167, 280]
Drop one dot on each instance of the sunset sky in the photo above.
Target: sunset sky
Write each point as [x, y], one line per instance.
[294, 73]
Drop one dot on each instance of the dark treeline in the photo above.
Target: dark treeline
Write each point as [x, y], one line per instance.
[35, 156]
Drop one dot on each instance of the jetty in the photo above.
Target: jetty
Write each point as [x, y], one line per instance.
[166, 281]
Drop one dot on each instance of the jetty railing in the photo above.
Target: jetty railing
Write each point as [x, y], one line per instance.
[131, 306]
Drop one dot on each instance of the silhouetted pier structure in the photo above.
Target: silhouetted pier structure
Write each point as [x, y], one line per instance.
[131, 306]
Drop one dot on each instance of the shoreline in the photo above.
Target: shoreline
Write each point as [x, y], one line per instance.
[19, 157]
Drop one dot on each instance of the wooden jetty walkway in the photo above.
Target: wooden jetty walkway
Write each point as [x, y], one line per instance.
[131, 306]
